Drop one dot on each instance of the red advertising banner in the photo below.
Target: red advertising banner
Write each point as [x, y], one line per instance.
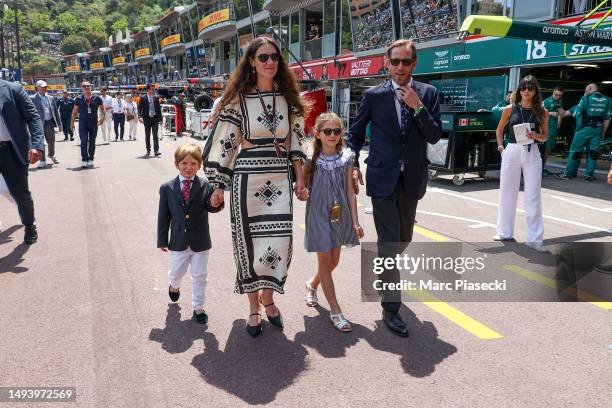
[339, 69]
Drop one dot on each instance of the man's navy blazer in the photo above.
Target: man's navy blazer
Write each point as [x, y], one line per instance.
[187, 222]
[389, 146]
[20, 115]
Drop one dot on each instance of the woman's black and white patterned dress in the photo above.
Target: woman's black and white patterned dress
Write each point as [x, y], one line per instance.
[261, 202]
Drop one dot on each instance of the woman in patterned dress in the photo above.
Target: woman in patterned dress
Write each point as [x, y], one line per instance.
[258, 134]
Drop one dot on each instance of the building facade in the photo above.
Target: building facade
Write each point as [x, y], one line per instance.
[340, 45]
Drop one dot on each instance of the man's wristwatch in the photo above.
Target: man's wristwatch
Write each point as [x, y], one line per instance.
[418, 110]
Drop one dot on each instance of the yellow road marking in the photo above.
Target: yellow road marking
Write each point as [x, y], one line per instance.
[454, 315]
[434, 236]
[552, 283]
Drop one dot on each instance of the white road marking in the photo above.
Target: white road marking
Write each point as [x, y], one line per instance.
[454, 217]
[548, 217]
[590, 207]
[480, 225]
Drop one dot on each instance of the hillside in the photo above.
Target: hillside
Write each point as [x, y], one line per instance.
[83, 24]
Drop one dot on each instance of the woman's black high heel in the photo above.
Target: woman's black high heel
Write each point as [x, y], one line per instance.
[254, 331]
[275, 320]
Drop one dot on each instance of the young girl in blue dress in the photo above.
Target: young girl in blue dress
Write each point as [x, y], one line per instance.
[331, 211]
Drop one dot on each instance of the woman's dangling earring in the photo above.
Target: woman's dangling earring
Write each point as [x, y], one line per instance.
[254, 71]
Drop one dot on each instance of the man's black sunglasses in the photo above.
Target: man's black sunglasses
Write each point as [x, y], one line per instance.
[328, 132]
[263, 58]
[405, 62]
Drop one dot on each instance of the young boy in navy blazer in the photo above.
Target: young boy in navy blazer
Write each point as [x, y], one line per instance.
[184, 204]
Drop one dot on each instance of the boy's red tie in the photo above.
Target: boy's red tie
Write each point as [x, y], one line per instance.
[186, 189]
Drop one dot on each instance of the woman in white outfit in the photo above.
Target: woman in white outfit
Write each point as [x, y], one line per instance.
[526, 110]
[131, 116]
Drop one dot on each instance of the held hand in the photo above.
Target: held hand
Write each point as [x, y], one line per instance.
[100, 122]
[358, 231]
[217, 198]
[357, 179]
[140, 120]
[34, 155]
[164, 249]
[411, 98]
[301, 192]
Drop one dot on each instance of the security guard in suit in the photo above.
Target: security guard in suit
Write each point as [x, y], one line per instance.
[65, 105]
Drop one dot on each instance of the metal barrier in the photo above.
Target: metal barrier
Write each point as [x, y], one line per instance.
[168, 121]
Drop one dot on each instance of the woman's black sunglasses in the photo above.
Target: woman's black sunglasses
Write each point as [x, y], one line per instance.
[527, 87]
[263, 58]
[328, 132]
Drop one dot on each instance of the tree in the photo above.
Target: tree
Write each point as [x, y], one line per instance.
[36, 41]
[96, 24]
[9, 17]
[119, 25]
[39, 22]
[97, 39]
[147, 16]
[28, 56]
[74, 44]
[42, 65]
[110, 19]
[112, 6]
[67, 23]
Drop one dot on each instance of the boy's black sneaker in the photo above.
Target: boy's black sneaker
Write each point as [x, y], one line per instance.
[201, 318]
[174, 296]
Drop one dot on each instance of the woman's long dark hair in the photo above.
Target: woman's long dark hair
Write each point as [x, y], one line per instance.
[243, 79]
[538, 108]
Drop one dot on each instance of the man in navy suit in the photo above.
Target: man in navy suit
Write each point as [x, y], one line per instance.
[404, 116]
[149, 113]
[18, 148]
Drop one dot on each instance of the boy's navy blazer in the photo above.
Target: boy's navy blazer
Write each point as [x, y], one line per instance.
[389, 146]
[187, 222]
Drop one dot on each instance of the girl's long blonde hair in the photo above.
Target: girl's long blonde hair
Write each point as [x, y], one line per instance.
[317, 146]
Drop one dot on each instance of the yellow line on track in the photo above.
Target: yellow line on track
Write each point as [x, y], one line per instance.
[454, 315]
[434, 236]
[462, 320]
[553, 284]
[451, 313]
